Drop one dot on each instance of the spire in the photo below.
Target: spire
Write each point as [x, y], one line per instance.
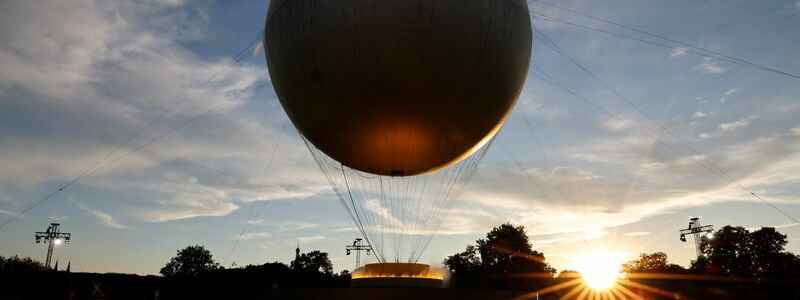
[56, 266]
[296, 260]
[68, 264]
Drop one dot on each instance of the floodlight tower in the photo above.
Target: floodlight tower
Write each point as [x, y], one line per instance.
[699, 231]
[53, 236]
[358, 246]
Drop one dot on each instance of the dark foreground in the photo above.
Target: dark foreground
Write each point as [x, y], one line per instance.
[63, 285]
[391, 294]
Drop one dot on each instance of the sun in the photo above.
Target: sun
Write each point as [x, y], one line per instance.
[599, 269]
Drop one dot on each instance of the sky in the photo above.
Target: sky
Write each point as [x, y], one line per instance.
[78, 78]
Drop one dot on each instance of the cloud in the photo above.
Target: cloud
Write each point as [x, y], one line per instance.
[794, 7]
[105, 219]
[700, 114]
[58, 218]
[777, 226]
[731, 91]
[734, 126]
[710, 66]
[284, 225]
[728, 93]
[267, 245]
[176, 2]
[677, 52]
[254, 235]
[305, 240]
[89, 85]
[614, 125]
[728, 129]
[637, 233]
[622, 181]
[374, 205]
[7, 213]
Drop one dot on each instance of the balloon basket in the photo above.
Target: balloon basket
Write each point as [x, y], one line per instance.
[397, 275]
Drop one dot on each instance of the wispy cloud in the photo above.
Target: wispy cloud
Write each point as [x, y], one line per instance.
[7, 213]
[710, 66]
[734, 126]
[701, 114]
[176, 2]
[728, 93]
[776, 226]
[115, 69]
[105, 219]
[793, 7]
[731, 91]
[636, 233]
[267, 245]
[614, 125]
[631, 188]
[677, 52]
[284, 225]
[305, 240]
[374, 205]
[254, 235]
[728, 129]
[58, 218]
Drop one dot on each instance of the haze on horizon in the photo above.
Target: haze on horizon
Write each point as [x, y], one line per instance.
[79, 77]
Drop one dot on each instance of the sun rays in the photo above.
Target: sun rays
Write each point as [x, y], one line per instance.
[599, 277]
[579, 288]
[599, 269]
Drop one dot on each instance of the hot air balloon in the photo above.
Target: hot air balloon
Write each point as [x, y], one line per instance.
[398, 100]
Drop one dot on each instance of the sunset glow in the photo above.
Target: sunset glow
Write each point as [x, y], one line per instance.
[599, 270]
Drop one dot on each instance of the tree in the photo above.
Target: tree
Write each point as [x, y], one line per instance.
[465, 262]
[505, 250]
[568, 274]
[190, 262]
[651, 263]
[314, 261]
[15, 265]
[737, 251]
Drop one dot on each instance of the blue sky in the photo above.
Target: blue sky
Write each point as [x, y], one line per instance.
[79, 77]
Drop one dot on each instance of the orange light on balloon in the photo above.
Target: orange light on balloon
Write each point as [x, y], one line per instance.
[398, 87]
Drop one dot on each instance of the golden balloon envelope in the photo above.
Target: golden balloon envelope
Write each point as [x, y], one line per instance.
[398, 87]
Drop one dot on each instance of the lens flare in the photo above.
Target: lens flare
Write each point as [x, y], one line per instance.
[599, 269]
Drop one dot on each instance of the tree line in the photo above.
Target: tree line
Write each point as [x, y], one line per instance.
[191, 273]
[735, 264]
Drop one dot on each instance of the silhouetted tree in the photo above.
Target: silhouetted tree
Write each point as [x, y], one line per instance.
[314, 261]
[651, 263]
[466, 262]
[568, 274]
[16, 265]
[506, 250]
[190, 262]
[737, 251]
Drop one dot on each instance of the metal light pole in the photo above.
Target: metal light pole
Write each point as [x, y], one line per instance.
[358, 246]
[698, 231]
[53, 236]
